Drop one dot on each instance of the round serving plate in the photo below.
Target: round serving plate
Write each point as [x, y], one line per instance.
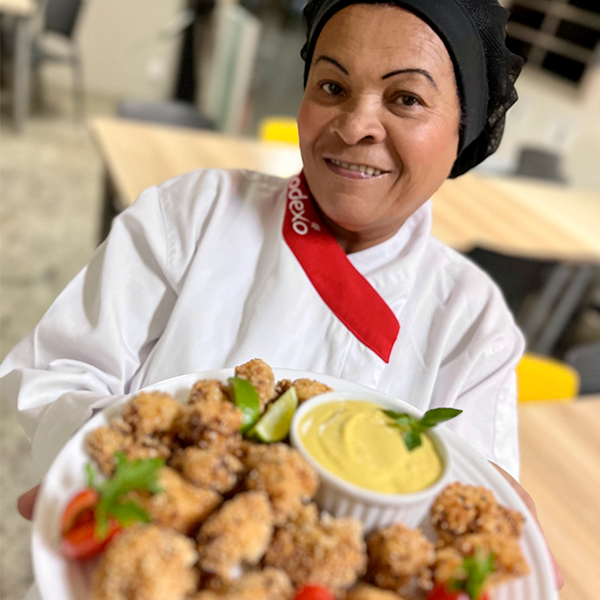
[60, 579]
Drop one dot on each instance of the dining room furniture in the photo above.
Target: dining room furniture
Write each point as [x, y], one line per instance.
[23, 12]
[560, 454]
[528, 218]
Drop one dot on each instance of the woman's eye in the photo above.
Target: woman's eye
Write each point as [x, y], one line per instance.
[408, 100]
[333, 89]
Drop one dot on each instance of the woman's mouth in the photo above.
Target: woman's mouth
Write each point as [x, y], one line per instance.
[353, 170]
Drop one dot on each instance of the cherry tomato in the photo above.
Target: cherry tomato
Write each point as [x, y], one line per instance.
[79, 510]
[81, 543]
[441, 592]
[313, 591]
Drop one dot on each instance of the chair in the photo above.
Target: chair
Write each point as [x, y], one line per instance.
[540, 378]
[176, 112]
[279, 129]
[586, 360]
[55, 43]
[539, 164]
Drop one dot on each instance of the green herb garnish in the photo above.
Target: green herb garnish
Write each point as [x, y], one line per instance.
[471, 575]
[140, 475]
[412, 428]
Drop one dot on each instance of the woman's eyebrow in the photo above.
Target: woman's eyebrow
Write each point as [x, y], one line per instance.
[420, 71]
[333, 62]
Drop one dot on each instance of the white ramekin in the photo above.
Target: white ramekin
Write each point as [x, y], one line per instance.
[376, 510]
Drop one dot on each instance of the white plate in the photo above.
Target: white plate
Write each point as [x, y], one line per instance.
[59, 579]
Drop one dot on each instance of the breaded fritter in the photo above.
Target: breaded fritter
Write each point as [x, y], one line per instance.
[364, 591]
[327, 551]
[208, 389]
[307, 388]
[462, 509]
[103, 443]
[400, 559]
[146, 562]
[210, 424]
[151, 412]
[260, 375]
[239, 532]
[508, 556]
[181, 505]
[282, 472]
[269, 584]
[210, 469]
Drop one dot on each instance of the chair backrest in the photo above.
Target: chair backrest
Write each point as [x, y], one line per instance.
[182, 114]
[586, 359]
[60, 16]
[226, 96]
[540, 164]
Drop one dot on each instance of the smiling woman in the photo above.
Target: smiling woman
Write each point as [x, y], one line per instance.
[333, 271]
[379, 122]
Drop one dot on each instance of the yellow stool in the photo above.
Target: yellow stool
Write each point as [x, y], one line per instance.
[541, 378]
[279, 129]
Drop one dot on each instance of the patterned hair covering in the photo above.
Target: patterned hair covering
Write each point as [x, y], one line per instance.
[473, 32]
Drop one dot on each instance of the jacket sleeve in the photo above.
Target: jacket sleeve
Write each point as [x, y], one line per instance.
[93, 339]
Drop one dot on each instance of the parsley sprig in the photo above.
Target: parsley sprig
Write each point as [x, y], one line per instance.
[411, 428]
[140, 475]
[471, 575]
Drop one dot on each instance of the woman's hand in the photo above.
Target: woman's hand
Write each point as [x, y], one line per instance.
[530, 504]
[26, 503]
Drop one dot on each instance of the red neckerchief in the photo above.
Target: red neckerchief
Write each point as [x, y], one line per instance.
[345, 291]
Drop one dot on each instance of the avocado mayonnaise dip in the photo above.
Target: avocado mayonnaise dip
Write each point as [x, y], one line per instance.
[356, 441]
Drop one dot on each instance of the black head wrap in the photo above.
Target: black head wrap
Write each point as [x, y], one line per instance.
[473, 32]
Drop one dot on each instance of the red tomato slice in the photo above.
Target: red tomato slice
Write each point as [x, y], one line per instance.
[441, 592]
[80, 543]
[80, 505]
[313, 591]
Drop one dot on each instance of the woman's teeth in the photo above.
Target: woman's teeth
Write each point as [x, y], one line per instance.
[357, 168]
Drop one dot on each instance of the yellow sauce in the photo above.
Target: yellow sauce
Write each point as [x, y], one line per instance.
[354, 440]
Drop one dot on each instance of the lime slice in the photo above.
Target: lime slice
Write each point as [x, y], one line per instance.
[274, 425]
[244, 395]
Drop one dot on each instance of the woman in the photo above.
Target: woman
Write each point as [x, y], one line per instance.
[334, 271]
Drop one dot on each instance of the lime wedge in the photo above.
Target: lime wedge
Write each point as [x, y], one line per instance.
[244, 395]
[274, 425]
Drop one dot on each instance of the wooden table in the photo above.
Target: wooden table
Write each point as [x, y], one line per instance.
[472, 210]
[23, 11]
[560, 468]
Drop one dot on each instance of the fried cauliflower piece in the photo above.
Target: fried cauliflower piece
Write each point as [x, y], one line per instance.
[400, 559]
[462, 509]
[327, 551]
[364, 591]
[509, 560]
[282, 472]
[103, 443]
[146, 562]
[269, 584]
[238, 533]
[208, 389]
[181, 505]
[260, 375]
[307, 388]
[150, 413]
[210, 469]
[210, 424]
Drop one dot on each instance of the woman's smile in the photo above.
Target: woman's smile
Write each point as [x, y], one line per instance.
[351, 170]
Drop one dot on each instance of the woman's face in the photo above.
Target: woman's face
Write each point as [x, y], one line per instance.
[379, 121]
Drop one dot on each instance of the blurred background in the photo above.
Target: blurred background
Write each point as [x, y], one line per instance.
[72, 70]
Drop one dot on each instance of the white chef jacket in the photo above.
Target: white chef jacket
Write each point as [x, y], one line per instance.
[198, 275]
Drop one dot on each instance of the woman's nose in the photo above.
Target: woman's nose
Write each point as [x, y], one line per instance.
[359, 121]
